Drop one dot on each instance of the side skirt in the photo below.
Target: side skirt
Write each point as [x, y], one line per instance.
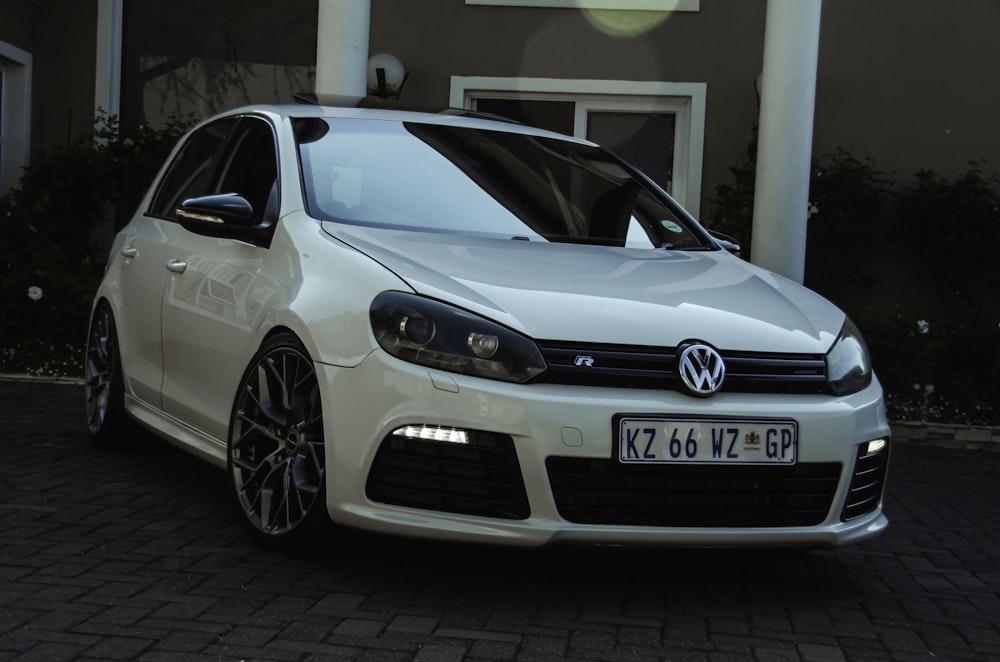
[177, 432]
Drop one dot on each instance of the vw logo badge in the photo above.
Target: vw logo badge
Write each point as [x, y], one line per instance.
[702, 369]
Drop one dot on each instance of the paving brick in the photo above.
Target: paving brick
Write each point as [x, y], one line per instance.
[817, 653]
[357, 627]
[538, 645]
[413, 624]
[120, 648]
[767, 654]
[441, 653]
[303, 631]
[493, 650]
[185, 641]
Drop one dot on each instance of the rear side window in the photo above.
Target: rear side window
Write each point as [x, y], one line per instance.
[190, 173]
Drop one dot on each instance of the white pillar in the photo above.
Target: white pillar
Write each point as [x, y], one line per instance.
[107, 85]
[784, 141]
[342, 50]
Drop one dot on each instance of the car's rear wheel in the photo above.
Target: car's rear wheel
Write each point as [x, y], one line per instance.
[277, 458]
[104, 386]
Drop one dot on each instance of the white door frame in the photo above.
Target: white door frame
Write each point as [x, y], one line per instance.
[686, 100]
[15, 133]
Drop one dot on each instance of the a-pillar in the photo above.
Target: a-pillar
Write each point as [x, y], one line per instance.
[342, 50]
[785, 132]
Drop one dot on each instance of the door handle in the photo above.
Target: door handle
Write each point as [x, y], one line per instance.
[130, 251]
[177, 266]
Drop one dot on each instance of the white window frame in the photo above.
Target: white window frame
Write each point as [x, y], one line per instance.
[16, 100]
[642, 5]
[686, 101]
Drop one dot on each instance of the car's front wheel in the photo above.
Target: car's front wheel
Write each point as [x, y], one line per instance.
[277, 458]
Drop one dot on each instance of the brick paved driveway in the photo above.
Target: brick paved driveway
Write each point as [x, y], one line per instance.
[138, 555]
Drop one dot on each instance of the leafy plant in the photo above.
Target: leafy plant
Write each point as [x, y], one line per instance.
[51, 261]
[849, 198]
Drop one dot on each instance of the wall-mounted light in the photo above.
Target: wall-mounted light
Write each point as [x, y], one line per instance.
[386, 76]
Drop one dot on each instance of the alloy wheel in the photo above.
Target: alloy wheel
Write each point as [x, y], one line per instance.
[277, 456]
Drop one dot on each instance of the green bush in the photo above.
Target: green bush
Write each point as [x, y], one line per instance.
[912, 266]
[50, 256]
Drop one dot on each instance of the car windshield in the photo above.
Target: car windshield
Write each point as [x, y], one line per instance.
[487, 182]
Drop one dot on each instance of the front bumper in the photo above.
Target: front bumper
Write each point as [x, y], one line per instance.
[542, 429]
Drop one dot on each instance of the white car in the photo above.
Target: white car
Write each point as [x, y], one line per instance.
[453, 327]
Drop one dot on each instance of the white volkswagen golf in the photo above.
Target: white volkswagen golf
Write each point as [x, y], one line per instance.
[452, 327]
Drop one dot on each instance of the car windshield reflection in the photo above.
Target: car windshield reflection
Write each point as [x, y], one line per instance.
[484, 182]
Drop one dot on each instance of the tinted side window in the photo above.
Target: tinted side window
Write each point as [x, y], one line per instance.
[251, 167]
[190, 174]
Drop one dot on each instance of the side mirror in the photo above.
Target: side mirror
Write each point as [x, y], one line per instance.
[727, 242]
[225, 215]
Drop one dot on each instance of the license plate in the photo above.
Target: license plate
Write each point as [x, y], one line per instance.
[648, 440]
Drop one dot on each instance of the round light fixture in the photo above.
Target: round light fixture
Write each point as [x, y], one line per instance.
[393, 75]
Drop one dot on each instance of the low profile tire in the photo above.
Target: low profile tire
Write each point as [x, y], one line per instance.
[277, 457]
[104, 385]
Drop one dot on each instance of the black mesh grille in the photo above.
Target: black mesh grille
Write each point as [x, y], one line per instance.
[479, 478]
[625, 366]
[589, 491]
[866, 484]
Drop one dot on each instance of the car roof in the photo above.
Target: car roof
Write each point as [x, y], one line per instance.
[393, 113]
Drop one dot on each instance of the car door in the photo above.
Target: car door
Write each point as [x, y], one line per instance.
[147, 259]
[217, 290]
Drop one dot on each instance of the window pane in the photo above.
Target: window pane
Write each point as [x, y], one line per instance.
[646, 140]
[190, 174]
[251, 169]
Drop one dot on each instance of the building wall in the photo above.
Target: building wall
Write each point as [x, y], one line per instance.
[16, 23]
[912, 83]
[64, 51]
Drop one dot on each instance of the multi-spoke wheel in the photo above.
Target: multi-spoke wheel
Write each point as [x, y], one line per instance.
[277, 459]
[104, 387]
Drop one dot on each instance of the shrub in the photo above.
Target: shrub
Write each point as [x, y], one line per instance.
[51, 260]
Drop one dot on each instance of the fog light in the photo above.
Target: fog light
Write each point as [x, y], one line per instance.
[875, 446]
[483, 345]
[432, 433]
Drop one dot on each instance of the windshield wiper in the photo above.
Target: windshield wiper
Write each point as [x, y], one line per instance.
[673, 247]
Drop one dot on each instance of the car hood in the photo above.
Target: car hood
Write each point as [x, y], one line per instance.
[599, 294]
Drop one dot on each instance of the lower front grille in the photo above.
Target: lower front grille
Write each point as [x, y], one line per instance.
[589, 491]
[482, 477]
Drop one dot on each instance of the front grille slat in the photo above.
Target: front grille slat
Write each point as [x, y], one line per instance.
[627, 366]
[867, 484]
[589, 491]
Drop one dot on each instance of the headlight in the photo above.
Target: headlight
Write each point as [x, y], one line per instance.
[437, 335]
[848, 368]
